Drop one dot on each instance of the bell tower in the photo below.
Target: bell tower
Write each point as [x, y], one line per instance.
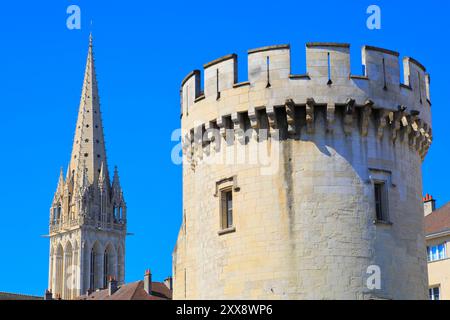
[88, 213]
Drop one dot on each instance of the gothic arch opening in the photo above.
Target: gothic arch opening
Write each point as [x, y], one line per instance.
[59, 271]
[120, 265]
[68, 271]
[51, 268]
[95, 272]
[109, 264]
[76, 271]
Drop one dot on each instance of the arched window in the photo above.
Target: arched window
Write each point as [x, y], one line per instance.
[58, 214]
[105, 269]
[120, 266]
[92, 270]
[68, 271]
[116, 213]
[59, 269]
[54, 215]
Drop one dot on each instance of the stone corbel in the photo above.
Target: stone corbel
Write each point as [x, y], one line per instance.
[348, 116]
[429, 137]
[185, 143]
[238, 126]
[253, 122]
[423, 137]
[398, 121]
[383, 114]
[406, 124]
[310, 103]
[366, 112]
[414, 132]
[290, 115]
[212, 136]
[222, 127]
[253, 118]
[271, 118]
[419, 136]
[189, 141]
[413, 137]
[331, 108]
[198, 142]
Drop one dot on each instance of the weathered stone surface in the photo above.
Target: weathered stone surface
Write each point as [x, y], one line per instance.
[305, 229]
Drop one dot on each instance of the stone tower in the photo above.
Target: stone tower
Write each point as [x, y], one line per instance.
[88, 212]
[333, 210]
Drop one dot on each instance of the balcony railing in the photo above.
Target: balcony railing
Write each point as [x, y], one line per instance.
[63, 226]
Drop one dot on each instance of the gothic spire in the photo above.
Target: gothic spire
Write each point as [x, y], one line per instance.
[103, 179]
[116, 180]
[60, 188]
[61, 180]
[88, 152]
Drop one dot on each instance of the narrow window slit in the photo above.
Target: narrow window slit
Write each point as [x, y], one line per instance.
[329, 69]
[381, 205]
[420, 87]
[217, 84]
[268, 72]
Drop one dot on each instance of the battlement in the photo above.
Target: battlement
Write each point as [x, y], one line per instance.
[328, 75]
[328, 87]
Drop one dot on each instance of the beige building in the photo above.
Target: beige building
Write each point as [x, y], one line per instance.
[304, 186]
[88, 212]
[437, 228]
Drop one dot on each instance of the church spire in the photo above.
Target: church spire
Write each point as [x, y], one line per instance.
[85, 212]
[88, 152]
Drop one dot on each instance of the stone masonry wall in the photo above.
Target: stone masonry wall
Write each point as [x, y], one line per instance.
[305, 225]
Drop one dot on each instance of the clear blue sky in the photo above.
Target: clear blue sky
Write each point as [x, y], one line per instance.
[143, 51]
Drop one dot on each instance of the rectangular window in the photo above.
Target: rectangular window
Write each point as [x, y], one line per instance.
[380, 201]
[227, 209]
[437, 252]
[434, 293]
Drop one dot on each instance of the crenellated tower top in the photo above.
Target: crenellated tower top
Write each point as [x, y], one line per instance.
[219, 101]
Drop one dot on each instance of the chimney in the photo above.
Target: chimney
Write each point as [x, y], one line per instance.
[48, 295]
[148, 282]
[429, 204]
[112, 286]
[169, 283]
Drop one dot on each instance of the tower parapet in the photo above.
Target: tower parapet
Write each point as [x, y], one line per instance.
[328, 82]
[347, 191]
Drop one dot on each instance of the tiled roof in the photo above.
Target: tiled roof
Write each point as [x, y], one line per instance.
[133, 291]
[438, 220]
[16, 296]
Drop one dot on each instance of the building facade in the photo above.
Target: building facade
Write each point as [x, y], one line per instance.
[304, 186]
[437, 229]
[88, 213]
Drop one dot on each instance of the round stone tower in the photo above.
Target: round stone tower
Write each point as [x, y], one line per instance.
[304, 186]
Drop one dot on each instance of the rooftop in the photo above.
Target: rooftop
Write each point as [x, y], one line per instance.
[17, 296]
[438, 221]
[132, 291]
